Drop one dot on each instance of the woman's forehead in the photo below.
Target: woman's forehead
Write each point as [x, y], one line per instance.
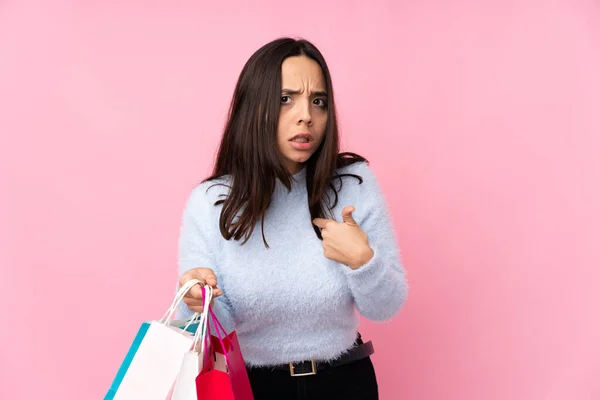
[298, 73]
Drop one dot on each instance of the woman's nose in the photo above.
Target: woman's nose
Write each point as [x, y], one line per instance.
[305, 115]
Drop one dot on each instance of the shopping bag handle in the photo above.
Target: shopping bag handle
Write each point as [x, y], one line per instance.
[207, 294]
[217, 326]
[178, 299]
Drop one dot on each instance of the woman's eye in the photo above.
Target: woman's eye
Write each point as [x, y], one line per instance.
[286, 99]
[320, 102]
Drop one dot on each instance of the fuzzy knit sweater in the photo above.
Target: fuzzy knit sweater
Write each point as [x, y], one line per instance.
[288, 302]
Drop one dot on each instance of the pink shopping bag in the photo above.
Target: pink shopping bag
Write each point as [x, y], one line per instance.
[225, 376]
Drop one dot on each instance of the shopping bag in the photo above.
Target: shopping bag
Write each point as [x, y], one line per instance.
[195, 359]
[226, 380]
[152, 363]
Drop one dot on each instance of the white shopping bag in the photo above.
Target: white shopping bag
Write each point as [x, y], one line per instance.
[193, 360]
[153, 361]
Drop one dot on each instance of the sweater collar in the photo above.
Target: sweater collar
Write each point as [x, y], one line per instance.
[298, 182]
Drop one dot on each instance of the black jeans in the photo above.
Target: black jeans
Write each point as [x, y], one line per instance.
[351, 381]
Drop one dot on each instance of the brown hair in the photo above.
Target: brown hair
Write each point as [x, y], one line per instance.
[248, 152]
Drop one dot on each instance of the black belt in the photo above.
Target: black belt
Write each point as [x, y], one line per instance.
[357, 352]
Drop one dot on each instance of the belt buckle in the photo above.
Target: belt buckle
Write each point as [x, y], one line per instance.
[312, 372]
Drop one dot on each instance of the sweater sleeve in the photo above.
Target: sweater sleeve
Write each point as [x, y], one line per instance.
[379, 287]
[198, 247]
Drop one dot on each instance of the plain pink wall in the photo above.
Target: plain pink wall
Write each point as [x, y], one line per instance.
[481, 119]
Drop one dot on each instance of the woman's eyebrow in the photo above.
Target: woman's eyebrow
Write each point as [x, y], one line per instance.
[312, 93]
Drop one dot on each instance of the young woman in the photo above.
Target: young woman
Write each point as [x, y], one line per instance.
[295, 235]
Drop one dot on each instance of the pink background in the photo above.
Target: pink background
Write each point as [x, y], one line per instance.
[481, 118]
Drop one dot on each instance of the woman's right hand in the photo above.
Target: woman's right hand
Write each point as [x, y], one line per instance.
[193, 298]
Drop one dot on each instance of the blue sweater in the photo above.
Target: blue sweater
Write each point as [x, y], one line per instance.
[289, 302]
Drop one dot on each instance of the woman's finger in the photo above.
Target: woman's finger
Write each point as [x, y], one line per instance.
[195, 292]
[197, 309]
[206, 275]
[193, 302]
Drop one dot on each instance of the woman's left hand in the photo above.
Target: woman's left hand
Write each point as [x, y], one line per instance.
[345, 242]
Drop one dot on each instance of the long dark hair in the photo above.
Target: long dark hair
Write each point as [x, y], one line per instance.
[249, 154]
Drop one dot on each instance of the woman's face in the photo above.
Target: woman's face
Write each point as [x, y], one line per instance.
[303, 111]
